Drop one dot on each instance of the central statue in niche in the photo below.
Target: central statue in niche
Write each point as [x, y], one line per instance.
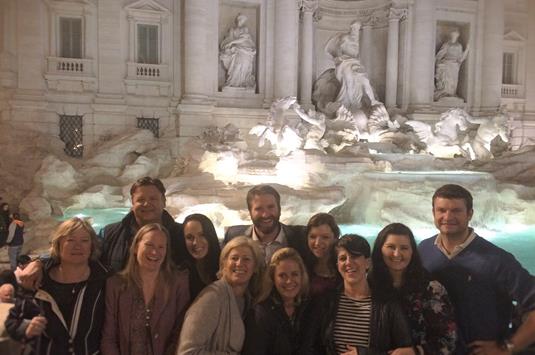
[346, 84]
[237, 54]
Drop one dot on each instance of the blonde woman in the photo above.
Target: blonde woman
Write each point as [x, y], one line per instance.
[280, 319]
[214, 324]
[65, 315]
[145, 303]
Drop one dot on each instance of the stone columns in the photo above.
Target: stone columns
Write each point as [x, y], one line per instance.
[422, 55]
[491, 73]
[196, 16]
[307, 51]
[366, 48]
[285, 48]
[392, 57]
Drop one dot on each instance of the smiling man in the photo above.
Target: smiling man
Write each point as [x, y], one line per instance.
[148, 203]
[263, 203]
[482, 280]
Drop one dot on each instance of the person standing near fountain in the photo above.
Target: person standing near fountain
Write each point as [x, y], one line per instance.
[482, 279]
[263, 202]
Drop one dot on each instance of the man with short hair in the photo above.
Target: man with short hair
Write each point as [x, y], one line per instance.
[263, 202]
[148, 203]
[482, 279]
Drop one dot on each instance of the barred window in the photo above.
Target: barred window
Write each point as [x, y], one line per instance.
[152, 124]
[70, 32]
[71, 133]
[147, 44]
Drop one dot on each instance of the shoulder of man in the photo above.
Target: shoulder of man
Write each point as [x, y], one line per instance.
[114, 228]
[238, 230]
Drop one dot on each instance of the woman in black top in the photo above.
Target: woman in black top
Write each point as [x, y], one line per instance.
[202, 244]
[280, 317]
[351, 321]
[65, 315]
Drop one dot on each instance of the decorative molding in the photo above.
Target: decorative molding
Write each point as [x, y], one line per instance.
[396, 14]
[146, 6]
[514, 36]
[308, 5]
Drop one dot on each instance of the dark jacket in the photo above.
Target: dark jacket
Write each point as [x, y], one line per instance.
[295, 235]
[18, 234]
[56, 339]
[389, 328]
[271, 332]
[117, 238]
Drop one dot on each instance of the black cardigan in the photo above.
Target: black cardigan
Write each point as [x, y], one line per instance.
[389, 328]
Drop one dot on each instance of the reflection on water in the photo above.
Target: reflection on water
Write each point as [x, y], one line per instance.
[518, 241]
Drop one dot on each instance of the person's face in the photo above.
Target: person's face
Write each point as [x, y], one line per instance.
[265, 213]
[7, 293]
[196, 242]
[5, 207]
[239, 266]
[397, 252]
[75, 248]
[320, 241]
[352, 268]
[147, 204]
[151, 250]
[287, 279]
[451, 217]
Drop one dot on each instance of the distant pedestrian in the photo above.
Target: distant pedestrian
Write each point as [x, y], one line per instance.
[4, 223]
[15, 239]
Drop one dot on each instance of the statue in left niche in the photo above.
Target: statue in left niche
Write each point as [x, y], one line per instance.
[238, 54]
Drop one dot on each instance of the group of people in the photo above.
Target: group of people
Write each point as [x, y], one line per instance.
[149, 285]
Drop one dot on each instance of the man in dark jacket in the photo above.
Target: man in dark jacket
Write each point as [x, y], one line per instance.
[148, 203]
[263, 202]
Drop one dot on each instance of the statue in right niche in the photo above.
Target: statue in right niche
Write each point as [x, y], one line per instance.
[448, 61]
[237, 52]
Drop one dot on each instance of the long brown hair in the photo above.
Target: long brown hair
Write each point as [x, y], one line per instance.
[130, 274]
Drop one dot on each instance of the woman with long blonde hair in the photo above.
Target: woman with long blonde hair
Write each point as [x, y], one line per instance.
[145, 302]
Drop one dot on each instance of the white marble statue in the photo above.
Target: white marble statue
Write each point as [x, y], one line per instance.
[443, 141]
[238, 53]
[283, 137]
[314, 128]
[488, 129]
[448, 61]
[348, 82]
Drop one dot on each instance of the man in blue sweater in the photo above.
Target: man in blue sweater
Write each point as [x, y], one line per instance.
[482, 279]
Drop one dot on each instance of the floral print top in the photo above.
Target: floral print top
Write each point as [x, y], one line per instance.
[432, 319]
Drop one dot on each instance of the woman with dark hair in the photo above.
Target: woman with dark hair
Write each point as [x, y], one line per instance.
[352, 320]
[280, 316]
[322, 232]
[397, 272]
[202, 259]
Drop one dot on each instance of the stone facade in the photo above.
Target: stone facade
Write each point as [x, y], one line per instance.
[111, 85]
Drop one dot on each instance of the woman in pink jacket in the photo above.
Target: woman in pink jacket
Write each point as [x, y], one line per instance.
[145, 303]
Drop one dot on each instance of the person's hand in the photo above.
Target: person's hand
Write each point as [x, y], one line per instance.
[485, 347]
[31, 276]
[351, 350]
[36, 327]
[402, 351]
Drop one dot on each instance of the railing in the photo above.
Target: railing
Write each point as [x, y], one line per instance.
[141, 71]
[70, 66]
[512, 91]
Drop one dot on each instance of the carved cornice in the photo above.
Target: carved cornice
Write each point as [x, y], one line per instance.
[377, 16]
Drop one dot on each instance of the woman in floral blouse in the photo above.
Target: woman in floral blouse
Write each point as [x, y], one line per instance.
[397, 271]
